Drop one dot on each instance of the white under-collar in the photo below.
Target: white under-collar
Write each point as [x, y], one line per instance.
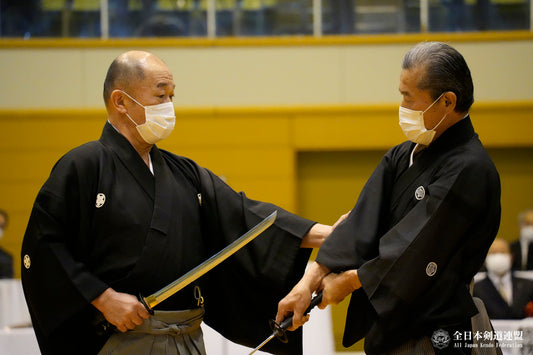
[418, 148]
[150, 164]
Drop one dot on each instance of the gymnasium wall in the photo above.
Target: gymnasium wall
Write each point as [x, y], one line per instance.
[299, 122]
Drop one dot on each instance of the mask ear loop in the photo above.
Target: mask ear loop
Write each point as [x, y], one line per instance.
[137, 102]
[439, 122]
[131, 119]
[442, 119]
[433, 103]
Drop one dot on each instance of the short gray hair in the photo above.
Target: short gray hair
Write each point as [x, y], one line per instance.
[445, 70]
[122, 73]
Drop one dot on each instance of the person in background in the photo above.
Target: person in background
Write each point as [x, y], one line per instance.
[522, 248]
[6, 260]
[505, 296]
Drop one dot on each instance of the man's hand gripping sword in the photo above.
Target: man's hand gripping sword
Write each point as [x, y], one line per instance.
[278, 330]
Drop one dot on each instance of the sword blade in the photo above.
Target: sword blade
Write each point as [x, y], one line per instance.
[167, 291]
[263, 343]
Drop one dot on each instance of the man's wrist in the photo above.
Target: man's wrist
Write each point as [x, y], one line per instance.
[352, 279]
[316, 236]
[314, 275]
[99, 301]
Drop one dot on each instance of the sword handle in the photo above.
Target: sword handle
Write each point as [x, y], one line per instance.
[145, 304]
[280, 329]
[101, 326]
[104, 328]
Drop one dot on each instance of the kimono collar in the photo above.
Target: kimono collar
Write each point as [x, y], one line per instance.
[114, 140]
[458, 134]
[155, 185]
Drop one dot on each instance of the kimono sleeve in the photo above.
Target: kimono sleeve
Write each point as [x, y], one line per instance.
[243, 292]
[56, 283]
[440, 243]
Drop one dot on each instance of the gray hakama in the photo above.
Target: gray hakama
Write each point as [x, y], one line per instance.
[166, 332]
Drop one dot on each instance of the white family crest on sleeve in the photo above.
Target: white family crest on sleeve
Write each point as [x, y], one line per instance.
[420, 193]
[431, 269]
[27, 261]
[100, 200]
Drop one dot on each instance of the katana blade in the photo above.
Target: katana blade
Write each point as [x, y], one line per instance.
[153, 300]
[278, 330]
[263, 343]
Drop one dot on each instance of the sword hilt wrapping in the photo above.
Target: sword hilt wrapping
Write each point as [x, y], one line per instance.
[279, 329]
[145, 303]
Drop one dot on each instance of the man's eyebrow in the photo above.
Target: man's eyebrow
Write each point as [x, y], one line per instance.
[406, 93]
[164, 85]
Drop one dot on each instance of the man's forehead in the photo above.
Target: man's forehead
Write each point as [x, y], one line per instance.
[499, 246]
[410, 76]
[528, 217]
[161, 79]
[409, 80]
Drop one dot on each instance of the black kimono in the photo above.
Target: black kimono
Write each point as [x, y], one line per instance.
[103, 220]
[417, 236]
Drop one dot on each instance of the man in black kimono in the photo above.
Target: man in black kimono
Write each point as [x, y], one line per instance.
[119, 217]
[421, 227]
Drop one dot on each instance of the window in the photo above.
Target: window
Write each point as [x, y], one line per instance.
[221, 18]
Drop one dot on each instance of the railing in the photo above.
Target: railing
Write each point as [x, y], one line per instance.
[220, 18]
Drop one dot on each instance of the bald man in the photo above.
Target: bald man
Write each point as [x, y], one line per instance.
[119, 217]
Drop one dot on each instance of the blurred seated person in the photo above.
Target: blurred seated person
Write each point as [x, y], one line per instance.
[6, 260]
[505, 296]
[522, 249]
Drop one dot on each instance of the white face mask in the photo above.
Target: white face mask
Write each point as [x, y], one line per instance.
[160, 120]
[498, 263]
[526, 233]
[412, 124]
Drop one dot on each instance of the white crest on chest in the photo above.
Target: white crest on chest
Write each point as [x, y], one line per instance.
[100, 200]
[420, 193]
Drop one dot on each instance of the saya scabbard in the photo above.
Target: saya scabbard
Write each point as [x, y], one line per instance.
[153, 300]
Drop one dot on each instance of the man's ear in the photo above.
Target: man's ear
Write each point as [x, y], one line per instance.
[117, 101]
[450, 100]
